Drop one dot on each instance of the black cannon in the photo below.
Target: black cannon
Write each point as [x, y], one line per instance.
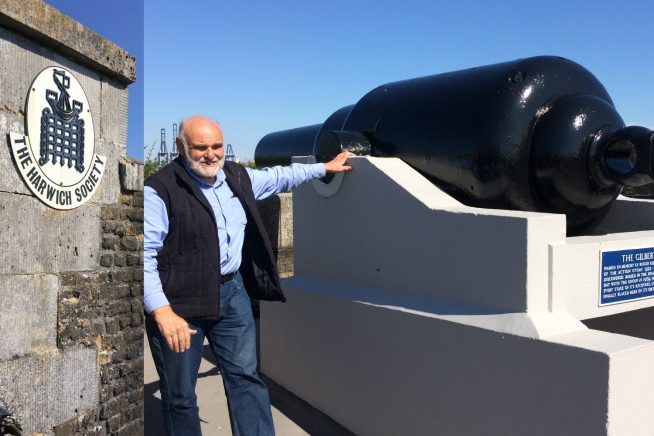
[535, 134]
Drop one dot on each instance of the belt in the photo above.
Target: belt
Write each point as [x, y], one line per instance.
[227, 277]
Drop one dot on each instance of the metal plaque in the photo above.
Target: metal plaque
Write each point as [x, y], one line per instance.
[57, 157]
[626, 275]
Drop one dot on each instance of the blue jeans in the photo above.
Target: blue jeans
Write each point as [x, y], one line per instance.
[233, 341]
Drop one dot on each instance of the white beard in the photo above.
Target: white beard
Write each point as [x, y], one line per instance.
[202, 171]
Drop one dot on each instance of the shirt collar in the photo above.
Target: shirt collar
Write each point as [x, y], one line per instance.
[220, 176]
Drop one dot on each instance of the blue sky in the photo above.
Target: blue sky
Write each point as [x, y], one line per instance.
[262, 66]
[120, 21]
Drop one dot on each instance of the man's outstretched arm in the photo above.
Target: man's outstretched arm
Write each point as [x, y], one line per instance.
[267, 182]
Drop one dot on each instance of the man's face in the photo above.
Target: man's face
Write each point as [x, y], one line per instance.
[204, 153]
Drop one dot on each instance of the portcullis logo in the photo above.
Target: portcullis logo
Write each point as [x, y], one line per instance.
[57, 156]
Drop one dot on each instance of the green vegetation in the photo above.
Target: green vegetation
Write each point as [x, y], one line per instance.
[150, 167]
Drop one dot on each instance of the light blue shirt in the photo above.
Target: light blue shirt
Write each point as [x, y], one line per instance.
[230, 219]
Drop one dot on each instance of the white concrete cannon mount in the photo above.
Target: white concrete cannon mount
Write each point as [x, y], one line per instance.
[412, 314]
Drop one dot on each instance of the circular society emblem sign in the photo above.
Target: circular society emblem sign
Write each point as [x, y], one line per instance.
[57, 157]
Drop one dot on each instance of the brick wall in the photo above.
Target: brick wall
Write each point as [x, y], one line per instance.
[104, 309]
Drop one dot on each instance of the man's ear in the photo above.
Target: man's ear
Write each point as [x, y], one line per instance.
[180, 147]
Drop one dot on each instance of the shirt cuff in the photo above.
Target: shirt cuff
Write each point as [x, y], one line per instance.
[318, 170]
[154, 301]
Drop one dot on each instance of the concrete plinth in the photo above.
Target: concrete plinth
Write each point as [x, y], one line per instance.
[410, 313]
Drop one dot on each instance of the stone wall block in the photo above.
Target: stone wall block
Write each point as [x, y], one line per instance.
[28, 304]
[10, 179]
[55, 30]
[132, 260]
[118, 307]
[78, 315]
[131, 177]
[130, 243]
[277, 215]
[113, 291]
[37, 239]
[106, 260]
[113, 120]
[50, 388]
[109, 190]
[137, 198]
[91, 277]
[69, 280]
[109, 373]
[20, 57]
[134, 366]
[286, 221]
[134, 428]
[114, 406]
[114, 423]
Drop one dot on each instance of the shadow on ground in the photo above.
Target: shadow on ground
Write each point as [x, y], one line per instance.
[301, 413]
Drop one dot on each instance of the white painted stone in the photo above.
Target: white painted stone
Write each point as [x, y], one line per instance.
[28, 304]
[385, 371]
[47, 389]
[37, 239]
[630, 382]
[410, 313]
[575, 262]
[576, 273]
[455, 251]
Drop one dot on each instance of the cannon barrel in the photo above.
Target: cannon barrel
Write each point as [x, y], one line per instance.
[536, 134]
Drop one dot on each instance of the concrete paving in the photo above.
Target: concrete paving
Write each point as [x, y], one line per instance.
[292, 416]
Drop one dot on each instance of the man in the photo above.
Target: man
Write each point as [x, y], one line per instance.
[205, 250]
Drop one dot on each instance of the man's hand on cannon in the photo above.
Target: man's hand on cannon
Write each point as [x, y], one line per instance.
[338, 164]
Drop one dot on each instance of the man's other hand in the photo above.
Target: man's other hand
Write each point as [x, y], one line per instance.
[337, 164]
[174, 328]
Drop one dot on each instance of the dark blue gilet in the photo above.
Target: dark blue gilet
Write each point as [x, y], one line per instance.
[188, 263]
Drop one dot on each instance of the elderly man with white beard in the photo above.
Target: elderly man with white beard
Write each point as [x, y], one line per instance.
[205, 254]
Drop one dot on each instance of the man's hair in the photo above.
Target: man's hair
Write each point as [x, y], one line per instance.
[181, 135]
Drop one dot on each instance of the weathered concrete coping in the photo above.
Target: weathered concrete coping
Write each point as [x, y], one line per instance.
[45, 24]
[131, 174]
